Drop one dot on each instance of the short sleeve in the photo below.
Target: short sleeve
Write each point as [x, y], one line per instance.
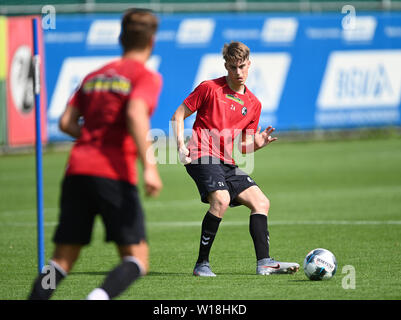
[147, 87]
[252, 127]
[197, 97]
[75, 99]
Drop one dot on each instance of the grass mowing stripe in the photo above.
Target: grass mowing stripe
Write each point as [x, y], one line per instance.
[168, 224]
[343, 192]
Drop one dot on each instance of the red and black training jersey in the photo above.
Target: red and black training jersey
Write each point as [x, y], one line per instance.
[222, 115]
[105, 148]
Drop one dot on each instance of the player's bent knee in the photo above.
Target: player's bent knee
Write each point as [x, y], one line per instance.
[261, 205]
[265, 204]
[219, 202]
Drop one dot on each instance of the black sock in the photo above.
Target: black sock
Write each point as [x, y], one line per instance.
[210, 224]
[121, 277]
[260, 235]
[45, 285]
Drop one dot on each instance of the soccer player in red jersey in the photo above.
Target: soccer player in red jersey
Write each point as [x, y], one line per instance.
[115, 103]
[226, 108]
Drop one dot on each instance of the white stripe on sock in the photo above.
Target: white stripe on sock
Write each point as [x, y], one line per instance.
[141, 267]
[58, 267]
[263, 214]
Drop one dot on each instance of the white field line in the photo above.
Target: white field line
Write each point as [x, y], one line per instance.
[283, 222]
[344, 192]
[190, 203]
[183, 224]
[150, 204]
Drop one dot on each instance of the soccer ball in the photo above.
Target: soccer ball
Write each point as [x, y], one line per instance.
[320, 264]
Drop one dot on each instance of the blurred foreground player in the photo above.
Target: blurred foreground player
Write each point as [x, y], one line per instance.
[226, 108]
[115, 103]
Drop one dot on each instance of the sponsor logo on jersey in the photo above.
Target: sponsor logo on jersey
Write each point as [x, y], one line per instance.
[102, 83]
[234, 98]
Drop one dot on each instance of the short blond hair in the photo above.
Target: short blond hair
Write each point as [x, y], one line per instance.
[235, 52]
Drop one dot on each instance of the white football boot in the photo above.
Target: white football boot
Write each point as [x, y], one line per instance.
[203, 270]
[270, 266]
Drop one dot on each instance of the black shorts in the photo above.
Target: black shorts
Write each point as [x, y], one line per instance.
[211, 174]
[117, 202]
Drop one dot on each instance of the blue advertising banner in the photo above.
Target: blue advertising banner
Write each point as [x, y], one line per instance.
[309, 70]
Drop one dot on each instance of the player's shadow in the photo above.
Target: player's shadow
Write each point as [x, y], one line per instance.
[160, 274]
[89, 273]
[150, 273]
[233, 274]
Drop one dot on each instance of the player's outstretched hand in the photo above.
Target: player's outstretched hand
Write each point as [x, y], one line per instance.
[152, 181]
[264, 138]
[183, 153]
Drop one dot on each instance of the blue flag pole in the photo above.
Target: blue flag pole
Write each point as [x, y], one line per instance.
[38, 147]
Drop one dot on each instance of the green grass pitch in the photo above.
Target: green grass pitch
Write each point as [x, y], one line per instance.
[344, 196]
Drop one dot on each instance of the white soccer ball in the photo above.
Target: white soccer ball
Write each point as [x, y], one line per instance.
[320, 264]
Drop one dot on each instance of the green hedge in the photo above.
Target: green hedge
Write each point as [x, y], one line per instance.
[55, 2]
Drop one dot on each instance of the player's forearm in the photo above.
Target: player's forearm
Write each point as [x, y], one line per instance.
[69, 122]
[247, 143]
[248, 147]
[72, 129]
[177, 123]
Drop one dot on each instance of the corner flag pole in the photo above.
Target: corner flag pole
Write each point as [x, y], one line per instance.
[38, 146]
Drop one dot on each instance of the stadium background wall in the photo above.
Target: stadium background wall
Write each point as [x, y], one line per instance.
[308, 71]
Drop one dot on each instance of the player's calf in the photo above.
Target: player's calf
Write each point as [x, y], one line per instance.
[119, 279]
[45, 284]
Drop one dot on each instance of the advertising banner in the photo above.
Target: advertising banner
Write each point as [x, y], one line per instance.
[310, 71]
[20, 97]
[3, 69]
